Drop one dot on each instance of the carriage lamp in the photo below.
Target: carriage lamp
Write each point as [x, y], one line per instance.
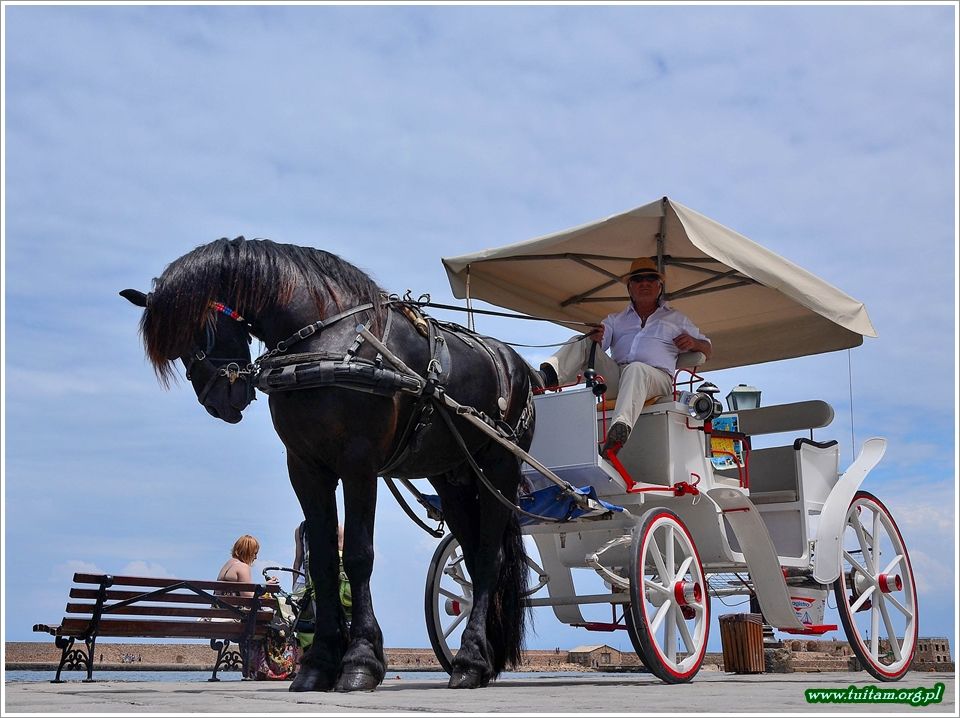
[743, 396]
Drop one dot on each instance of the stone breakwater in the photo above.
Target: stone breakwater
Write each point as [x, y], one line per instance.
[198, 656]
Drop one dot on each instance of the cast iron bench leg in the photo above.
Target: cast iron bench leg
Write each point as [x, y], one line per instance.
[226, 659]
[71, 658]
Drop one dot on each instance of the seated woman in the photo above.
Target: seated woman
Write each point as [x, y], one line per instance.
[237, 568]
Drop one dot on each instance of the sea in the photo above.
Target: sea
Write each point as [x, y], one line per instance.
[226, 677]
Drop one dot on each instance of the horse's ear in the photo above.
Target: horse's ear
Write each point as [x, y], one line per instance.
[134, 297]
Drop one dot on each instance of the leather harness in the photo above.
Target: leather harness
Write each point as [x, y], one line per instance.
[277, 371]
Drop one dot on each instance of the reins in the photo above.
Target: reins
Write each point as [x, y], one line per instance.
[469, 310]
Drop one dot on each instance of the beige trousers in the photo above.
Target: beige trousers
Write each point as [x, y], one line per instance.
[632, 384]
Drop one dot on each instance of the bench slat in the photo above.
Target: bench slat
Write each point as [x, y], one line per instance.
[138, 609]
[125, 628]
[114, 595]
[154, 582]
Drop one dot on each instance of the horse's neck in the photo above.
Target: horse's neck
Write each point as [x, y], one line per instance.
[301, 311]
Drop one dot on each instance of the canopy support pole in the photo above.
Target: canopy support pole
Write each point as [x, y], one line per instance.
[664, 203]
[470, 322]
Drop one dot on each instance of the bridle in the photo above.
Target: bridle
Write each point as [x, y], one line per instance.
[220, 367]
[241, 367]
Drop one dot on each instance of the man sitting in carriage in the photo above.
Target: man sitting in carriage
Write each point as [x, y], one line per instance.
[644, 340]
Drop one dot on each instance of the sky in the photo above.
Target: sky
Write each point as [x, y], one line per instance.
[397, 135]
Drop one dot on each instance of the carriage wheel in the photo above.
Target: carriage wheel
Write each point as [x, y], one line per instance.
[447, 600]
[669, 605]
[876, 593]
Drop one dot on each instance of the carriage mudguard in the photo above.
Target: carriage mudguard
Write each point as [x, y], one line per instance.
[760, 555]
[826, 559]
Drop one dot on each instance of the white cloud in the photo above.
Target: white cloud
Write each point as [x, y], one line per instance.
[146, 568]
[64, 571]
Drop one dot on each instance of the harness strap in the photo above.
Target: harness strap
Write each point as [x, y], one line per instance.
[311, 329]
[483, 477]
[437, 532]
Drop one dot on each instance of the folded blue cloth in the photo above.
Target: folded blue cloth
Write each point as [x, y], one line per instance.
[551, 502]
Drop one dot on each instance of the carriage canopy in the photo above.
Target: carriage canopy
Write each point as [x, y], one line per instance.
[754, 305]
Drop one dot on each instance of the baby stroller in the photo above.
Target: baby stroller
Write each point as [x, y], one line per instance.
[277, 655]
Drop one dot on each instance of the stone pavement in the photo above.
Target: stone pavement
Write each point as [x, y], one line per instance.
[710, 692]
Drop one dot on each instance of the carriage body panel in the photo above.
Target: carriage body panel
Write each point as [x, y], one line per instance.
[761, 528]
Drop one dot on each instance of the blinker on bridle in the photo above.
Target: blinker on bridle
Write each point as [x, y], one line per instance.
[229, 368]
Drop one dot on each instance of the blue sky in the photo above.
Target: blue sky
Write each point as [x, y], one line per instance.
[394, 136]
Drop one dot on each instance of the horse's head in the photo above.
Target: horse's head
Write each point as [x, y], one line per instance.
[217, 362]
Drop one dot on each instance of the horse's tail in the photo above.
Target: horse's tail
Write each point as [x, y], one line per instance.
[507, 617]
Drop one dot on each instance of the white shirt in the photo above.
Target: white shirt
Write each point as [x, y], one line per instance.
[651, 343]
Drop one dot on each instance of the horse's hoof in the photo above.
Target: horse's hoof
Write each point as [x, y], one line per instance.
[356, 680]
[467, 679]
[308, 679]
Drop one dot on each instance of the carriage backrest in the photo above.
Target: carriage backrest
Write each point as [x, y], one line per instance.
[798, 416]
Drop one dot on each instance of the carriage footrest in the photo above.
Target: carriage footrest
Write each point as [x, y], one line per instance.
[812, 630]
[551, 502]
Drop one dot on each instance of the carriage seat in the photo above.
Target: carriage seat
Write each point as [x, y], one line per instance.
[685, 360]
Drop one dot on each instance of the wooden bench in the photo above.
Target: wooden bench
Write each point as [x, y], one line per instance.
[144, 607]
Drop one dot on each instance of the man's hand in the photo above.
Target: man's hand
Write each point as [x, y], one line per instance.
[686, 343]
[597, 334]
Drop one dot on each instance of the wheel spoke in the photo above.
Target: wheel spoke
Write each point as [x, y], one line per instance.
[866, 547]
[684, 567]
[874, 631]
[685, 633]
[891, 631]
[668, 559]
[654, 553]
[450, 629]
[899, 606]
[658, 618]
[853, 562]
[465, 583]
[877, 548]
[855, 606]
[893, 564]
[670, 631]
[652, 585]
[451, 595]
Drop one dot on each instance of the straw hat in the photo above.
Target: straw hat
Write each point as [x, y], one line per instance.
[643, 265]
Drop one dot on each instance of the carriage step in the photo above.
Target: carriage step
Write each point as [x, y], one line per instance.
[810, 630]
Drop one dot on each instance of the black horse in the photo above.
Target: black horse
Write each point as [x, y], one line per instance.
[344, 412]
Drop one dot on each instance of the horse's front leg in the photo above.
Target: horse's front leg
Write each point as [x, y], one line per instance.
[363, 664]
[316, 490]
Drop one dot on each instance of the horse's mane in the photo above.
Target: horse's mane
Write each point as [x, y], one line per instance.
[250, 276]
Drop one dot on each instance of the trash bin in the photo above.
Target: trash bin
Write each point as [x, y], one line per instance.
[741, 635]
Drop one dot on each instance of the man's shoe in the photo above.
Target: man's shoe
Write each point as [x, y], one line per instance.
[549, 375]
[616, 438]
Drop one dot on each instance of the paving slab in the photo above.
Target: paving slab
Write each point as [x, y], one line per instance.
[710, 692]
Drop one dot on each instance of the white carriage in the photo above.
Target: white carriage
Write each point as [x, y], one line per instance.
[694, 513]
